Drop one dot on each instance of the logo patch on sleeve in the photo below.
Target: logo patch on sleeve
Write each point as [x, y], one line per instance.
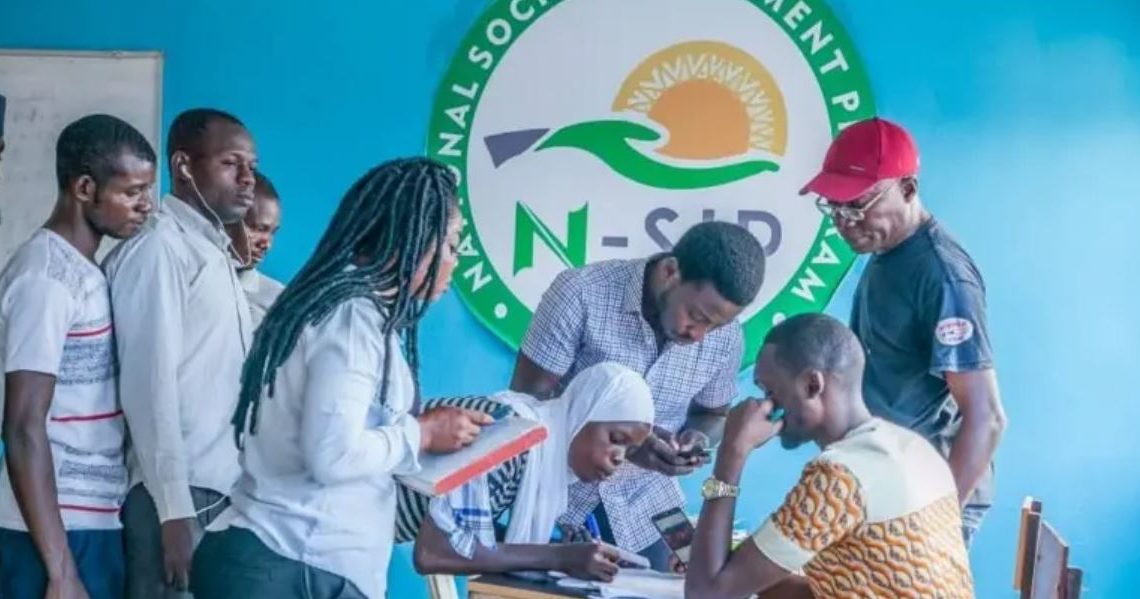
[954, 331]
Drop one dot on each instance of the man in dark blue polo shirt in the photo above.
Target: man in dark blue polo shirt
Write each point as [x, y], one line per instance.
[919, 309]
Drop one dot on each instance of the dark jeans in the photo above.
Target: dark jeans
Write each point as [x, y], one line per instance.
[982, 498]
[235, 564]
[146, 573]
[972, 516]
[98, 557]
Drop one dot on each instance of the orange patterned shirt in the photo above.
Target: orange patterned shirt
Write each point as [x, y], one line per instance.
[875, 515]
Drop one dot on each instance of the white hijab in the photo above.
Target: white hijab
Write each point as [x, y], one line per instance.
[605, 392]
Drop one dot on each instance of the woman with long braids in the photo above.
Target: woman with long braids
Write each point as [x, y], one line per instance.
[324, 416]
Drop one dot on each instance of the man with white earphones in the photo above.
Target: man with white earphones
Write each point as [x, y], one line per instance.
[183, 328]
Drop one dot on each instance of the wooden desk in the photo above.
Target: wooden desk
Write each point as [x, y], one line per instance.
[499, 586]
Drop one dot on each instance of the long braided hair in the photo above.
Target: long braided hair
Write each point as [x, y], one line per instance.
[391, 218]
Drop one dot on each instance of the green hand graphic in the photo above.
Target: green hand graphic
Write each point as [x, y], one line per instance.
[610, 142]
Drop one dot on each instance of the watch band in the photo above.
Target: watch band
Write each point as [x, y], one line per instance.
[714, 488]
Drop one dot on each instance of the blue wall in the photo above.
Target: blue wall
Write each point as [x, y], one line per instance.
[1028, 115]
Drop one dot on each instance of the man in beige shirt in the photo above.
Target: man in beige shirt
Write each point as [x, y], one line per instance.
[876, 514]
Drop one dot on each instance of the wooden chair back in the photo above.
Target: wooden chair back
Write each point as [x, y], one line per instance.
[1041, 567]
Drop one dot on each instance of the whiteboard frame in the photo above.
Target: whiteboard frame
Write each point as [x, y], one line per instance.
[160, 83]
[119, 54]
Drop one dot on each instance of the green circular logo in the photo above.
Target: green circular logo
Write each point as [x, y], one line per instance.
[587, 130]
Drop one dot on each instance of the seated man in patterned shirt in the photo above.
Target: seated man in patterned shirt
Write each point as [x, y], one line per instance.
[874, 515]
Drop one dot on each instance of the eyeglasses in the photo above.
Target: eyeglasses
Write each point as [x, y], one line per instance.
[851, 214]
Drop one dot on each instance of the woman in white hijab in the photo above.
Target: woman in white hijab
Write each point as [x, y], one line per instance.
[605, 411]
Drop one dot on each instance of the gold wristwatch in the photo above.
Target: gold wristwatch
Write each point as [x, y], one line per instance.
[715, 489]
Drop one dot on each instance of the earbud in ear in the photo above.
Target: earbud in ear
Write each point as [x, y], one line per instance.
[180, 166]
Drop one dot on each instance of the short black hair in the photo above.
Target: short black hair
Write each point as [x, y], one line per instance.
[93, 146]
[725, 255]
[815, 342]
[188, 128]
[263, 187]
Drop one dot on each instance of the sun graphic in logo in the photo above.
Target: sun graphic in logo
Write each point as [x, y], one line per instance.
[715, 100]
[722, 111]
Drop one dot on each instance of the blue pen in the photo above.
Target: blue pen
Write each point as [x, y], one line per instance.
[592, 526]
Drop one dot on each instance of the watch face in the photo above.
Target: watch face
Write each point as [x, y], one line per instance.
[713, 489]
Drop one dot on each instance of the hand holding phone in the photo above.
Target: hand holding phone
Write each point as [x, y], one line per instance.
[697, 452]
[661, 452]
[693, 445]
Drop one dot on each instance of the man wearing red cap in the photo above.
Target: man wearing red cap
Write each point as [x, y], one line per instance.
[919, 309]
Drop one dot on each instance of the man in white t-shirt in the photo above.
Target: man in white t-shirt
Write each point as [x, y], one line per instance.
[255, 234]
[65, 476]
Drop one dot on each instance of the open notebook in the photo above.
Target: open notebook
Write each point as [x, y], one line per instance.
[633, 584]
[497, 443]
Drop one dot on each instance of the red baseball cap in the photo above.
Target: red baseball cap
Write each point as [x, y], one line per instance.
[862, 155]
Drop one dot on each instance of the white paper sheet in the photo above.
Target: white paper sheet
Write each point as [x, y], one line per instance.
[642, 584]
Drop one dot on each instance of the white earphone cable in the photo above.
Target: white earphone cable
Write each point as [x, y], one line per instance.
[244, 263]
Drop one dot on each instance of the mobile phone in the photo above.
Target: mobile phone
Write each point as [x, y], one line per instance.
[776, 415]
[677, 532]
[697, 452]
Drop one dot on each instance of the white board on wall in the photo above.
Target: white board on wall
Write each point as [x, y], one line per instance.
[46, 91]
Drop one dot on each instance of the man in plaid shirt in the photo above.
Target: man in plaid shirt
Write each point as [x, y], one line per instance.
[672, 318]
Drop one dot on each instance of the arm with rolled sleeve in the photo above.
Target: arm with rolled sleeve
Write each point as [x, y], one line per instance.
[824, 506]
[148, 296]
[340, 386]
[961, 353]
[955, 314]
[553, 338]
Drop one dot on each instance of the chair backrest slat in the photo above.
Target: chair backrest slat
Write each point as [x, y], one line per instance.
[1041, 567]
[1050, 565]
[1026, 546]
[1073, 578]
